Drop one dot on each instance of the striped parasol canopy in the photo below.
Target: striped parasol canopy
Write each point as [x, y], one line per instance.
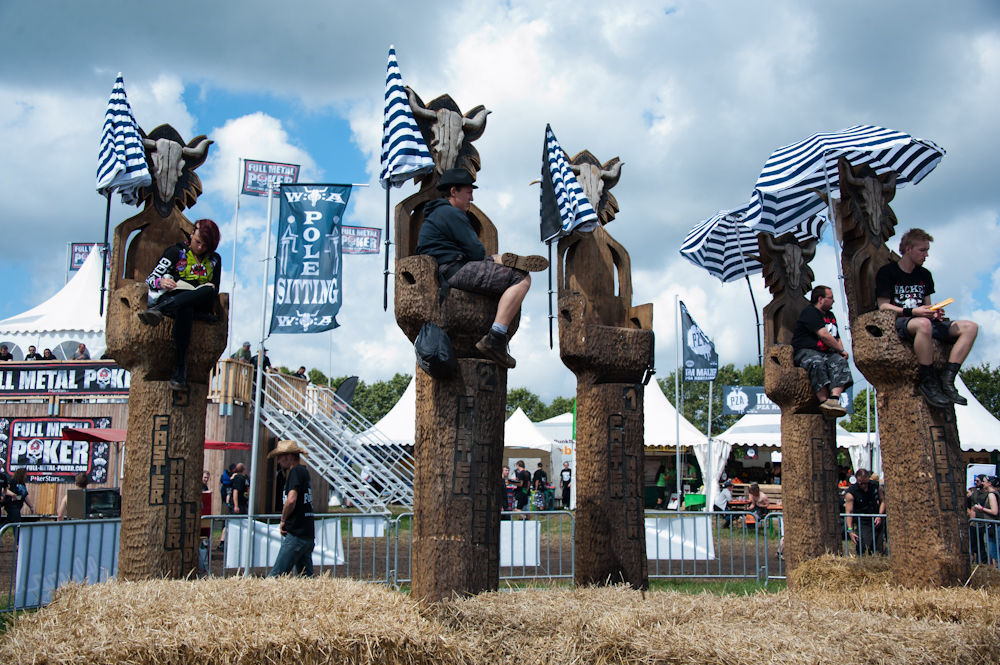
[721, 243]
[564, 206]
[122, 161]
[404, 153]
[793, 176]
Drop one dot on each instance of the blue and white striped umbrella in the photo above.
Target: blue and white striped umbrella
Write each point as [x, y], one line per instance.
[122, 162]
[404, 153]
[720, 244]
[794, 174]
[564, 206]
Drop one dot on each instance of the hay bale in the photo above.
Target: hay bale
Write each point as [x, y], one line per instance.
[239, 620]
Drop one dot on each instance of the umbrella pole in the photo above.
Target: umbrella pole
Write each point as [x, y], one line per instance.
[104, 252]
[760, 352]
[550, 294]
[837, 246]
[385, 286]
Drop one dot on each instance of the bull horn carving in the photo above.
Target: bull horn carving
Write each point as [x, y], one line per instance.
[419, 109]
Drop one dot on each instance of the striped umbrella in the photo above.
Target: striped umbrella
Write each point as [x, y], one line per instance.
[723, 243]
[122, 161]
[564, 206]
[121, 164]
[404, 153]
[793, 176]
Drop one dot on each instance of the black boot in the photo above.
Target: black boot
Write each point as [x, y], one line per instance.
[948, 384]
[179, 380]
[151, 316]
[930, 388]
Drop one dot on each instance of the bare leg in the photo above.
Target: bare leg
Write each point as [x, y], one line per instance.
[510, 301]
[836, 392]
[823, 394]
[923, 345]
[964, 333]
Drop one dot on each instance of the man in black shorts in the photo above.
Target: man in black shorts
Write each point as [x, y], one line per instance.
[905, 287]
[819, 351]
[448, 236]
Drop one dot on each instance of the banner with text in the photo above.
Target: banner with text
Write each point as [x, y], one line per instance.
[308, 270]
[745, 400]
[63, 378]
[36, 445]
[257, 175]
[701, 362]
[361, 240]
[79, 251]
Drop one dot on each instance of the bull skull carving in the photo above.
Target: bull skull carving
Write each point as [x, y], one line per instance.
[794, 259]
[172, 165]
[450, 129]
[595, 180]
[875, 196]
[168, 162]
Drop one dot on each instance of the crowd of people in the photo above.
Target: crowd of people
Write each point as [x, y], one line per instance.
[533, 491]
[81, 353]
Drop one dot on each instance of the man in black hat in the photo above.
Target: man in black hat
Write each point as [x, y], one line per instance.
[448, 236]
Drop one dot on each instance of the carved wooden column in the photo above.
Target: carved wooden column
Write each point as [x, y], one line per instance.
[608, 344]
[164, 449]
[922, 463]
[458, 492]
[808, 440]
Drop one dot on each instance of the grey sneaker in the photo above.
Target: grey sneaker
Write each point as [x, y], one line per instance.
[533, 263]
[495, 347]
[151, 317]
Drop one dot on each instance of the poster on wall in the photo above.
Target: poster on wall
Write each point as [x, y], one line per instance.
[37, 378]
[36, 445]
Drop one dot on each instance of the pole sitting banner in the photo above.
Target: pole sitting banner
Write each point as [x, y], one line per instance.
[257, 175]
[701, 362]
[308, 270]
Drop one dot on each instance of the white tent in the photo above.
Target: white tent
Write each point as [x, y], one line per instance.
[521, 440]
[977, 428]
[765, 430]
[660, 429]
[559, 430]
[63, 321]
[399, 425]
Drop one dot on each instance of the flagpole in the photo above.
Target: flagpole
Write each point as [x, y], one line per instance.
[677, 392]
[104, 252]
[709, 482]
[385, 286]
[549, 243]
[254, 475]
[236, 233]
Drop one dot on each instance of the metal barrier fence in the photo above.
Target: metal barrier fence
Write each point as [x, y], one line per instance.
[42, 556]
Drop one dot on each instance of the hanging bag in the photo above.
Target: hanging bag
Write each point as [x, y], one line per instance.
[435, 354]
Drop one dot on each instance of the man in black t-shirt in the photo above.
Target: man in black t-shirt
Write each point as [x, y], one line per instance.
[819, 351]
[905, 287]
[241, 490]
[565, 481]
[523, 480]
[865, 497]
[539, 478]
[297, 525]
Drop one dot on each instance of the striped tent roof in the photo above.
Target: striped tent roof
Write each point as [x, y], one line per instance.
[564, 206]
[122, 161]
[792, 172]
[404, 153]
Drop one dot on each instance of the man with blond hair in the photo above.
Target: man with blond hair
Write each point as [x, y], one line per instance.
[905, 287]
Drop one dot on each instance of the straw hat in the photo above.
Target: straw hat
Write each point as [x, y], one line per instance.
[287, 448]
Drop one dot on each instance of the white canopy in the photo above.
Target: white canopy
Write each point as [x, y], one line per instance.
[65, 320]
[765, 430]
[660, 422]
[977, 428]
[399, 425]
[520, 432]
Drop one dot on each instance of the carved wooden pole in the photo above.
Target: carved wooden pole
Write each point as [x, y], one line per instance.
[161, 490]
[921, 454]
[808, 440]
[458, 492]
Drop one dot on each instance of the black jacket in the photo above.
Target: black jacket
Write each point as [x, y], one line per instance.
[447, 235]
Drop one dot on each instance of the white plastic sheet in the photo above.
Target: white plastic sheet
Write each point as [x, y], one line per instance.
[684, 537]
[329, 550]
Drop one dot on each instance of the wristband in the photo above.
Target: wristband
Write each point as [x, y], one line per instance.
[907, 312]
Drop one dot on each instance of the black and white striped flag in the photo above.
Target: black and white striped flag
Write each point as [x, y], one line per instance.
[564, 207]
[404, 153]
[791, 173]
[122, 161]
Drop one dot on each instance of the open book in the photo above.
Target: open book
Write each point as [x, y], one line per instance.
[187, 286]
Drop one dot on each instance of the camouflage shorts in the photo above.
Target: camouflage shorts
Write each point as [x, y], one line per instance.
[824, 369]
[485, 277]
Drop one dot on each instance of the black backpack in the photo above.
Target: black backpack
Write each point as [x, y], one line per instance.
[435, 354]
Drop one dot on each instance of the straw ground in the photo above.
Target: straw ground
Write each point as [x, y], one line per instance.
[839, 610]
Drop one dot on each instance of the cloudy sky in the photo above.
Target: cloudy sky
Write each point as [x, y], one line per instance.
[692, 97]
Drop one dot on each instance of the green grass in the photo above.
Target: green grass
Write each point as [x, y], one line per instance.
[720, 588]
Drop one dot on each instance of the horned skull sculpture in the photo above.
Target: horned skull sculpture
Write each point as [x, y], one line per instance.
[451, 130]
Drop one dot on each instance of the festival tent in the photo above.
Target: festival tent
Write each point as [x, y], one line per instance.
[559, 430]
[399, 425]
[660, 427]
[521, 440]
[978, 429]
[65, 320]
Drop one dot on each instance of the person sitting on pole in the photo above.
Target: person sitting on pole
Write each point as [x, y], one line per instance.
[448, 236]
[184, 285]
[905, 287]
[819, 351]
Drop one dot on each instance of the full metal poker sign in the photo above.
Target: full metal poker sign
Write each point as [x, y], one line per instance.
[36, 445]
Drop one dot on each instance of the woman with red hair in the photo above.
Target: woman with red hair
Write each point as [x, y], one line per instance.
[184, 286]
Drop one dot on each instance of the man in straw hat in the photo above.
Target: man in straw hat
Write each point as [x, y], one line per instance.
[296, 515]
[448, 236]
